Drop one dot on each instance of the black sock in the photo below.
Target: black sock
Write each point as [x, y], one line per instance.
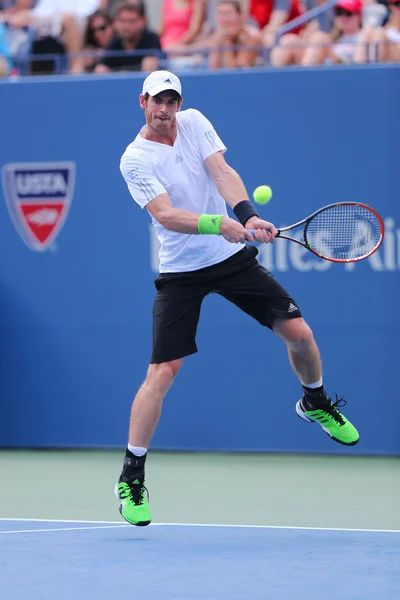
[314, 397]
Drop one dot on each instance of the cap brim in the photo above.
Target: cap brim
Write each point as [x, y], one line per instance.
[157, 89]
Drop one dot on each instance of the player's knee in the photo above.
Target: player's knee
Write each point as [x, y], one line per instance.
[294, 332]
[163, 374]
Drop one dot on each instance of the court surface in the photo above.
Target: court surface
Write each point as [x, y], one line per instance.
[77, 560]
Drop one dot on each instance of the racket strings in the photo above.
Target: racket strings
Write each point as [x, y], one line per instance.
[344, 232]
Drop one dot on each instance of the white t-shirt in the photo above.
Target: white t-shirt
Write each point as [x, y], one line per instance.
[150, 169]
[83, 8]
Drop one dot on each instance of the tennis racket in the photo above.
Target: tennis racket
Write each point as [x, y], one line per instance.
[341, 232]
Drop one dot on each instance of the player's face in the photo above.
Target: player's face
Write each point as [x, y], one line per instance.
[160, 110]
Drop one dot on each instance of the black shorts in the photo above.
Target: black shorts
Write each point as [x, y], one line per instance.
[240, 279]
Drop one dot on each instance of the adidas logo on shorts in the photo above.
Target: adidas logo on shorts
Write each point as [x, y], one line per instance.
[292, 307]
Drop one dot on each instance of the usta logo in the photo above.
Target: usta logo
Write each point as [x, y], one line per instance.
[38, 197]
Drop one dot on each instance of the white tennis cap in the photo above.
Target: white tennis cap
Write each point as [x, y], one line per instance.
[159, 81]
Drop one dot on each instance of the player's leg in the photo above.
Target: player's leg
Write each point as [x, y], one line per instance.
[145, 414]
[302, 350]
[253, 289]
[146, 408]
[306, 362]
[176, 313]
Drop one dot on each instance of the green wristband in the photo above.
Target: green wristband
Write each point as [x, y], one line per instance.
[210, 224]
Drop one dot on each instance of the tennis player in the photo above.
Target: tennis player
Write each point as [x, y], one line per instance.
[175, 168]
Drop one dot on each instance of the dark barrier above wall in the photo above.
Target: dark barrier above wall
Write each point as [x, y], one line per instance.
[75, 318]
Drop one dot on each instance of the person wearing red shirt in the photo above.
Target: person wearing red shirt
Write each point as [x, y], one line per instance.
[270, 15]
[319, 47]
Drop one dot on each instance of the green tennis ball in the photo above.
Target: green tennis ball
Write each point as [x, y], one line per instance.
[262, 194]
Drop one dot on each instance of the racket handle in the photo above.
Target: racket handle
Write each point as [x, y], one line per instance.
[252, 231]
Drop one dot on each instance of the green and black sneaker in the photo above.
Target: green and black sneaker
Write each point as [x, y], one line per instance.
[133, 498]
[330, 418]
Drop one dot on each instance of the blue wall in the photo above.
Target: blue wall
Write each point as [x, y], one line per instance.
[75, 319]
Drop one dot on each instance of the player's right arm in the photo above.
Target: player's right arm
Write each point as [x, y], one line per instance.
[149, 193]
[186, 221]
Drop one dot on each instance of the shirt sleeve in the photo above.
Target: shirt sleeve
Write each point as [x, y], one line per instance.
[207, 137]
[140, 179]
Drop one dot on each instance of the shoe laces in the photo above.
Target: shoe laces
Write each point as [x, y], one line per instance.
[136, 492]
[332, 409]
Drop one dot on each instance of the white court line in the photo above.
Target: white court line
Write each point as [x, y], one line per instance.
[284, 527]
[120, 526]
[115, 523]
[60, 521]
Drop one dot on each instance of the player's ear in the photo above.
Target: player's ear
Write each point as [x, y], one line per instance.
[142, 101]
[178, 108]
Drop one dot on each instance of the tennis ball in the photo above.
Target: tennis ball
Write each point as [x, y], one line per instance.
[262, 194]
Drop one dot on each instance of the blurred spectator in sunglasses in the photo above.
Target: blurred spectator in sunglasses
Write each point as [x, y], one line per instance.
[319, 47]
[382, 43]
[131, 34]
[98, 34]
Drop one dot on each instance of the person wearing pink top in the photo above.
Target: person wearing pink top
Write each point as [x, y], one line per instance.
[181, 22]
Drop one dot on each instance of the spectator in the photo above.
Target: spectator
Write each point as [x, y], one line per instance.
[382, 43]
[4, 51]
[319, 48]
[57, 24]
[233, 43]
[131, 34]
[270, 15]
[98, 34]
[181, 22]
[375, 13]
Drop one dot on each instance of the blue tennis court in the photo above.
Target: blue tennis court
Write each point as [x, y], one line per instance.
[83, 560]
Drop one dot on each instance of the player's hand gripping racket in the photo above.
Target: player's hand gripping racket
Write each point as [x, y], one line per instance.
[341, 232]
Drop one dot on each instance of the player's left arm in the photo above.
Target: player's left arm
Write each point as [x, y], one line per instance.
[232, 189]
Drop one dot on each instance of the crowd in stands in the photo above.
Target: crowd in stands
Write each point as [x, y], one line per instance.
[100, 36]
